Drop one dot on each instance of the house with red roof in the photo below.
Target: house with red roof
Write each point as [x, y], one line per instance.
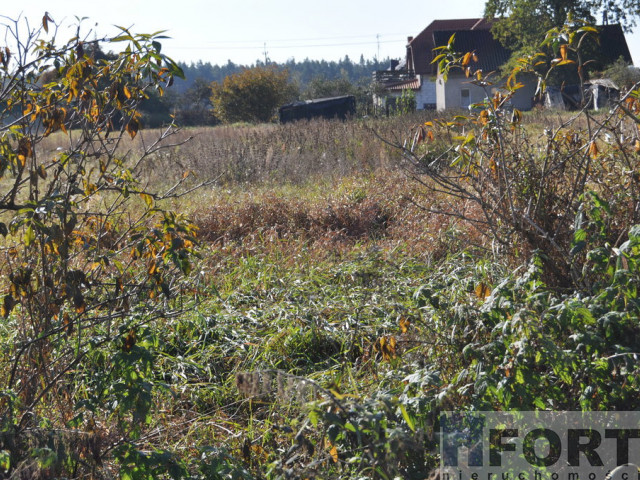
[417, 72]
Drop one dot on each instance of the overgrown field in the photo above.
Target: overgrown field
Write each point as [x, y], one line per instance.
[298, 301]
[340, 302]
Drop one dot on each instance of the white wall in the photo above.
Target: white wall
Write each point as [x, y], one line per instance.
[427, 94]
[449, 95]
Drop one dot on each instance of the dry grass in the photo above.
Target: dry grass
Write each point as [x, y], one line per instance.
[384, 210]
[290, 153]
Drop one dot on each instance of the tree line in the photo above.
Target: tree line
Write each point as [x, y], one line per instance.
[208, 91]
[189, 100]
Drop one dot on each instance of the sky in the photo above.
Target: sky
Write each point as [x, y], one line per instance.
[245, 31]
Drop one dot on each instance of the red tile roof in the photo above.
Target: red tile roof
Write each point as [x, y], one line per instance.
[413, 84]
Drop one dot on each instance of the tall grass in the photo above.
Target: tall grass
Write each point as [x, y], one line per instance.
[289, 153]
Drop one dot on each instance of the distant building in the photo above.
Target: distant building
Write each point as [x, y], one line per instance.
[418, 73]
[333, 107]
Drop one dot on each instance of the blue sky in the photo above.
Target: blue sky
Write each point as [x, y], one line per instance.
[243, 30]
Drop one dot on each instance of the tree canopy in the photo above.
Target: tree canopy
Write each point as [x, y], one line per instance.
[522, 24]
[252, 95]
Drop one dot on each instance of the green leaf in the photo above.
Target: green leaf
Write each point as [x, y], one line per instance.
[5, 460]
[313, 417]
[579, 241]
[587, 28]
[408, 418]
[29, 236]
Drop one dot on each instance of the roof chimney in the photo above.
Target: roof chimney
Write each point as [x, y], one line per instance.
[409, 39]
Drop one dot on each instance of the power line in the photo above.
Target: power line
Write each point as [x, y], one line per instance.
[257, 46]
[308, 39]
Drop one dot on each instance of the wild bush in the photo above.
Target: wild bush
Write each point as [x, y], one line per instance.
[90, 256]
[529, 189]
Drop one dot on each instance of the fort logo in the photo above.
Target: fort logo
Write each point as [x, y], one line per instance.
[539, 445]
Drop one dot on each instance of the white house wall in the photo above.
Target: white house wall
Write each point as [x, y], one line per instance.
[426, 97]
[449, 94]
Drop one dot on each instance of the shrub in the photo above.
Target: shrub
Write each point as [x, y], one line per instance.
[91, 259]
[252, 95]
[528, 191]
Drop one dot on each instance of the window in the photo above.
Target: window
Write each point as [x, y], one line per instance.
[465, 98]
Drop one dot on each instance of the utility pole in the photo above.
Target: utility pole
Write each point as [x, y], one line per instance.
[378, 40]
[265, 53]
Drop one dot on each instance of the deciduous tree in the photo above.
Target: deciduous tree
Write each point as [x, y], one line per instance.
[252, 95]
[522, 24]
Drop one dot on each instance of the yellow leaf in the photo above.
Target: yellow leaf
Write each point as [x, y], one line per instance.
[387, 347]
[148, 199]
[337, 394]
[130, 341]
[482, 291]
[563, 51]
[593, 149]
[516, 116]
[466, 59]
[127, 92]
[132, 128]
[89, 188]
[334, 453]
[405, 323]
[484, 117]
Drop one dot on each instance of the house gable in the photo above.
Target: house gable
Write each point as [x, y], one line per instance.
[490, 52]
[420, 48]
[612, 45]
